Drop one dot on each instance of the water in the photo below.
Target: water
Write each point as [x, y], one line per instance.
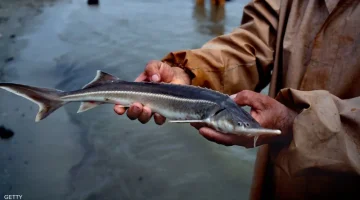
[97, 154]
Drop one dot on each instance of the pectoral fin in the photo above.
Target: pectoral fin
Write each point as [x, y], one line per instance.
[85, 106]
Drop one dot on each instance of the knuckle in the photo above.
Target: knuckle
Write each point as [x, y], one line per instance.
[152, 65]
[164, 66]
[243, 95]
[151, 62]
[246, 93]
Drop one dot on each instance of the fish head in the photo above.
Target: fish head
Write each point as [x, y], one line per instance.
[233, 119]
[221, 122]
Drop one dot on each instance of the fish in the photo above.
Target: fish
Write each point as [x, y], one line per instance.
[178, 103]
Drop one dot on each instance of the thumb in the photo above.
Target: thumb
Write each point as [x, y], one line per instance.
[248, 98]
[157, 71]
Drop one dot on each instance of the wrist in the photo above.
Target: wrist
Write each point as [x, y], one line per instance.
[286, 124]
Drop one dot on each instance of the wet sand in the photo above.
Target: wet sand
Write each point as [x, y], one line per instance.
[96, 154]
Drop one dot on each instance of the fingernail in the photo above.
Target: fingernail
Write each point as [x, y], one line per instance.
[155, 78]
[233, 96]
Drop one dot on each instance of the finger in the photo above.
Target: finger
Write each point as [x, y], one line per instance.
[228, 139]
[145, 115]
[159, 119]
[119, 109]
[198, 125]
[134, 111]
[152, 70]
[166, 72]
[158, 71]
[257, 116]
[141, 77]
[217, 137]
[250, 98]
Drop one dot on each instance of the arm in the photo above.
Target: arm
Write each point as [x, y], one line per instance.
[240, 60]
[325, 133]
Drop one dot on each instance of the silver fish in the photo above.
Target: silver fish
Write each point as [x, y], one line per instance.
[178, 103]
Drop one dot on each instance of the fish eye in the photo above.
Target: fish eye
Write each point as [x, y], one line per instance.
[239, 124]
[247, 124]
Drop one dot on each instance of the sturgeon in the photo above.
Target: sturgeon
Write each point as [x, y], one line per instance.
[178, 103]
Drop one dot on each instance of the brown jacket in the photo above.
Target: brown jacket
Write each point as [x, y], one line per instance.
[309, 52]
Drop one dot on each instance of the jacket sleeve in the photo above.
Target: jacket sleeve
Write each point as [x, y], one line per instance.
[326, 133]
[240, 60]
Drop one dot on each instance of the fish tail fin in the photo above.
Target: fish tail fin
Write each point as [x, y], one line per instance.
[47, 99]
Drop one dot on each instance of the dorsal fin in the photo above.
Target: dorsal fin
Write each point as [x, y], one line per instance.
[100, 78]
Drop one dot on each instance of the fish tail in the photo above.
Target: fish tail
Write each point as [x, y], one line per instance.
[47, 99]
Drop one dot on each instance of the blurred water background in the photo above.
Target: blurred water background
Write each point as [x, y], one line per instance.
[97, 154]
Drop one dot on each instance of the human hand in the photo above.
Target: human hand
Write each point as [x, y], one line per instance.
[155, 71]
[265, 110]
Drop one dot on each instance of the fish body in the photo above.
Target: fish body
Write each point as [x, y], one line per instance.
[178, 103]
